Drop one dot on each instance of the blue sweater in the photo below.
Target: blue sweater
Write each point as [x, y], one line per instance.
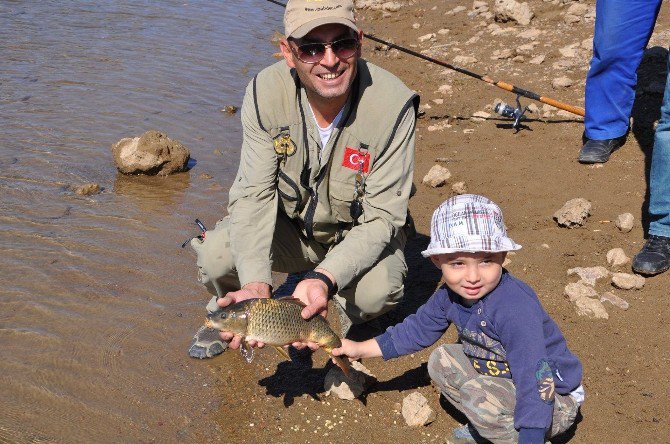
[509, 327]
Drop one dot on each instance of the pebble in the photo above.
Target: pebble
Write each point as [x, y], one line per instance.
[574, 213]
[416, 411]
[591, 308]
[437, 176]
[459, 188]
[614, 300]
[561, 82]
[627, 281]
[578, 290]
[87, 189]
[624, 222]
[616, 257]
[589, 275]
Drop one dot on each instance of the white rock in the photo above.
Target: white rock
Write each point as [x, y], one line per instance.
[574, 213]
[391, 6]
[416, 411]
[459, 188]
[437, 176]
[526, 49]
[537, 60]
[501, 54]
[589, 275]
[614, 300]
[348, 387]
[591, 308]
[626, 281]
[578, 9]
[445, 89]
[578, 290]
[561, 82]
[464, 60]
[443, 31]
[510, 10]
[480, 116]
[625, 222]
[531, 34]
[427, 37]
[616, 257]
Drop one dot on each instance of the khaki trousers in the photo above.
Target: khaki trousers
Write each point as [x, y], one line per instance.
[366, 297]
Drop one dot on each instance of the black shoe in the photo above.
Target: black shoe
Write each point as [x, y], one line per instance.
[654, 258]
[599, 151]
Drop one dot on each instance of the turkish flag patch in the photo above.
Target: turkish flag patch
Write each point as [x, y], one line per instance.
[353, 158]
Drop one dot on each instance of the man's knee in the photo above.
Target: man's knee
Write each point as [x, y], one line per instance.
[215, 262]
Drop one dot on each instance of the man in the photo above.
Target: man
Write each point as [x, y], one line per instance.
[654, 258]
[324, 178]
[622, 31]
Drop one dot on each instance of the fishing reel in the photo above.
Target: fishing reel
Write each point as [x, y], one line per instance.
[518, 113]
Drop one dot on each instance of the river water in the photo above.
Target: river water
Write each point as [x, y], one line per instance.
[98, 301]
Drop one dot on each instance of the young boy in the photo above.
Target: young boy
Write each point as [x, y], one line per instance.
[511, 374]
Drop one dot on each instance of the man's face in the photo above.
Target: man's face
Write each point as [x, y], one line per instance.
[332, 76]
[470, 275]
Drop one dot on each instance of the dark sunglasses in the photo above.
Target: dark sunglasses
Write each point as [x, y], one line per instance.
[314, 52]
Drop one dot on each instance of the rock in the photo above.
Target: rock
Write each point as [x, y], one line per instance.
[87, 189]
[531, 34]
[578, 290]
[501, 54]
[624, 222]
[416, 411]
[437, 176]
[626, 281]
[574, 213]
[616, 257]
[578, 9]
[591, 308]
[229, 109]
[561, 82]
[614, 300]
[480, 116]
[391, 6]
[589, 275]
[537, 60]
[510, 10]
[445, 89]
[464, 60]
[570, 19]
[152, 153]
[526, 49]
[350, 387]
[459, 188]
[427, 37]
[569, 51]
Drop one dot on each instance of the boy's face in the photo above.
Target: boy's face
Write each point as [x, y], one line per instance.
[471, 275]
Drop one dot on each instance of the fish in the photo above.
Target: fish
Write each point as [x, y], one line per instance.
[276, 322]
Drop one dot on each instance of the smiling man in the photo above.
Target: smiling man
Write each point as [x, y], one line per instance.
[324, 179]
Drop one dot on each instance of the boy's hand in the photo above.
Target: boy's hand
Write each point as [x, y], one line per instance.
[358, 350]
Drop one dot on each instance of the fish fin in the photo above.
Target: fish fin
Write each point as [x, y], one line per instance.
[341, 362]
[282, 351]
[247, 351]
[292, 300]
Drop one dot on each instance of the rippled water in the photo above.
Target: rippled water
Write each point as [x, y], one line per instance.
[98, 301]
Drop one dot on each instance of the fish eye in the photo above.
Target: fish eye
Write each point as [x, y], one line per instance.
[223, 315]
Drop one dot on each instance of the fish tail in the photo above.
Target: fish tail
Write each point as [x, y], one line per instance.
[341, 362]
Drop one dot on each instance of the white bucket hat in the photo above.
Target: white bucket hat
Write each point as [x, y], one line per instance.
[468, 223]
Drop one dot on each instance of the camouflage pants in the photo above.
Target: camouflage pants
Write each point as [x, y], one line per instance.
[488, 401]
[367, 297]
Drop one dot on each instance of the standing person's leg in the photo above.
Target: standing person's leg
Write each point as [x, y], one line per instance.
[621, 33]
[216, 270]
[654, 257]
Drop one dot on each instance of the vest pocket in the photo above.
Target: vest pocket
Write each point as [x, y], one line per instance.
[341, 196]
[289, 194]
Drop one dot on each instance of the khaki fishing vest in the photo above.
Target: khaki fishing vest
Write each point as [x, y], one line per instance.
[319, 198]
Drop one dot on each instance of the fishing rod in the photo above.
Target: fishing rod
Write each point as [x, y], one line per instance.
[506, 110]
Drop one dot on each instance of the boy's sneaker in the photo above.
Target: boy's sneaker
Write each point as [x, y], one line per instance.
[654, 258]
[206, 344]
[466, 434]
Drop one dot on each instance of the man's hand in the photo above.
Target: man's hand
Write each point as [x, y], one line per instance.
[249, 291]
[314, 294]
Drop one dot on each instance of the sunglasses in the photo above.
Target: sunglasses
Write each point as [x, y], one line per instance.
[314, 52]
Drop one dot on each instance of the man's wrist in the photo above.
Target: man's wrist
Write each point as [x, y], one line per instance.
[332, 287]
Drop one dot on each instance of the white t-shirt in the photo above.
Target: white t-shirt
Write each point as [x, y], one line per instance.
[324, 133]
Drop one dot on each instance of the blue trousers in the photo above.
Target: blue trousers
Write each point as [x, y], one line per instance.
[659, 176]
[622, 31]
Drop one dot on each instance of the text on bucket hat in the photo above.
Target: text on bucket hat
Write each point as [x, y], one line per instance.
[468, 223]
[301, 16]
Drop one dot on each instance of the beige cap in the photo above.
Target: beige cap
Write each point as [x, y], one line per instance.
[302, 16]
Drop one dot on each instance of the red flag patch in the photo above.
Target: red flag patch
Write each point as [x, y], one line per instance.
[353, 158]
